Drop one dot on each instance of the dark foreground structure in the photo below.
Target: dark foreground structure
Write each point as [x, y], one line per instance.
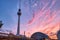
[35, 36]
[58, 35]
[4, 36]
[40, 36]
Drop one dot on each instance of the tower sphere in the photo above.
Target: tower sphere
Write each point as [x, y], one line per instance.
[19, 12]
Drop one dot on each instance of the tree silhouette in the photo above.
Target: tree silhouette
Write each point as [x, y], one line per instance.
[1, 24]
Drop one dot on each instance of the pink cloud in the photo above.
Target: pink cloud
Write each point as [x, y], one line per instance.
[47, 23]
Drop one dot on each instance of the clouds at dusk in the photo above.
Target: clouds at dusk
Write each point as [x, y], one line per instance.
[37, 16]
[45, 19]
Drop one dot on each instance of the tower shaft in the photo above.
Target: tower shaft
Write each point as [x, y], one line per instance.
[18, 29]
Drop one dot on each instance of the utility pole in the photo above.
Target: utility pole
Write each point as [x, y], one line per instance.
[59, 25]
[24, 34]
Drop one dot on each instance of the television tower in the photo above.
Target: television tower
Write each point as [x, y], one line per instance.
[19, 14]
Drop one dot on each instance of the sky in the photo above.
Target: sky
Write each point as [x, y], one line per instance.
[37, 16]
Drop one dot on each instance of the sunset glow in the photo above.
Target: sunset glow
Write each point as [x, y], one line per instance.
[44, 20]
[37, 16]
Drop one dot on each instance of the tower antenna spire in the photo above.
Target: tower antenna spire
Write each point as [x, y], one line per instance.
[19, 4]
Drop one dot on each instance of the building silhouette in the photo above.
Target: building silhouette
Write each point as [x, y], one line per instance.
[58, 35]
[39, 36]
